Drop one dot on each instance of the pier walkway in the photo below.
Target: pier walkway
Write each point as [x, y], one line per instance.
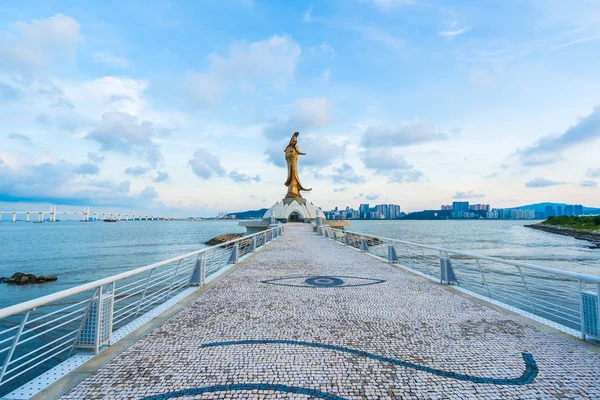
[307, 318]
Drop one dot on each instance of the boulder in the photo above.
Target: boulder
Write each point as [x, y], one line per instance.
[20, 278]
[223, 238]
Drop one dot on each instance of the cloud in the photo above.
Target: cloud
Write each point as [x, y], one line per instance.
[87, 169]
[593, 172]
[345, 174]
[162, 176]
[308, 113]
[206, 165]
[35, 44]
[243, 178]
[548, 149]
[341, 189]
[307, 14]
[454, 33]
[149, 192]
[467, 195]
[61, 184]
[271, 62]
[414, 132]
[372, 196]
[136, 171]
[8, 92]
[110, 60]
[379, 36]
[589, 184]
[386, 5]
[320, 152]
[92, 166]
[394, 166]
[95, 158]
[21, 138]
[577, 41]
[326, 74]
[124, 133]
[542, 182]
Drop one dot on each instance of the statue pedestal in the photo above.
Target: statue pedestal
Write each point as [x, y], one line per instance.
[284, 211]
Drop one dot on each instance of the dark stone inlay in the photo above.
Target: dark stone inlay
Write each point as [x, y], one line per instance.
[326, 281]
[245, 386]
[323, 281]
[530, 373]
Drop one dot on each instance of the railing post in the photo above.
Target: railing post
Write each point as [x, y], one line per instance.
[363, 245]
[346, 240]
[526, 290]
[144, 294]
[484, 281]
[14, 344]
[446, 271]
[173, 280]
[326, 233]
[233, 259]
[392, 256]
[199, 275]
[96, 326]
[253, 244]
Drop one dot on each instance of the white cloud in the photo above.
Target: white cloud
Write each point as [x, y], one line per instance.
[382, 37]
[308, 113]
[409, 133]
[271, 62]
[206, 165]
[35, 44]
[125, 133]
[454, 33]
[394, 166]
[110, 59]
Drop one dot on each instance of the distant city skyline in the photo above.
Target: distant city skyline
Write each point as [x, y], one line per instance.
[182, 108]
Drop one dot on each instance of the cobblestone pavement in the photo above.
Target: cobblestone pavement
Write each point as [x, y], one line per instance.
[329, 322]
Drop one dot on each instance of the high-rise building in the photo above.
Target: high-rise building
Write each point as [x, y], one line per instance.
[550, 212]
[364, 211]
[578, 209]
[568, 210]
[446, 208]
[559, 211]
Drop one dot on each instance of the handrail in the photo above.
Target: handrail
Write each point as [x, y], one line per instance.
[40, 301]
[576, 275]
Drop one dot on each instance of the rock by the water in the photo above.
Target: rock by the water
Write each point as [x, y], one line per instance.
[223, 238]
[20, 278]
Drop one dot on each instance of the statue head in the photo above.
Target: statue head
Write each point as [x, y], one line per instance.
[294, 139]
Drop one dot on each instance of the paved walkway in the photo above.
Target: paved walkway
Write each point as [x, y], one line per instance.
[365, 330]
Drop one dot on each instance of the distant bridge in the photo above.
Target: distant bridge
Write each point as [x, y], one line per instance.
[88, 216]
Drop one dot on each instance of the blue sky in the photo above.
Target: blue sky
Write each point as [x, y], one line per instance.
[184, 107]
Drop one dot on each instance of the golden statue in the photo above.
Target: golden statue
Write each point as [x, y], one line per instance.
[291, 158]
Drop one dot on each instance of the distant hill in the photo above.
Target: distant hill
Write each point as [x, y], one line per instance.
[252, 214]
[541, 207]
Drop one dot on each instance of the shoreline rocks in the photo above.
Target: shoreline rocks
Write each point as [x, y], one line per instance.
[223, 238]
[591, 236]
[20, 279]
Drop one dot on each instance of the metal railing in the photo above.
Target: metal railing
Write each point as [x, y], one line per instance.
[566, 300]
[39, 334]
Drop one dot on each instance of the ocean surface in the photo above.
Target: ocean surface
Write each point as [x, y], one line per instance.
[79, 252]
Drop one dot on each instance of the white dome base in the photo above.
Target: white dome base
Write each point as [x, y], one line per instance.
[294, 210]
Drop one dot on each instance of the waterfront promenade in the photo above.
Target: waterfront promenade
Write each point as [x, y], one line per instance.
[306, 317]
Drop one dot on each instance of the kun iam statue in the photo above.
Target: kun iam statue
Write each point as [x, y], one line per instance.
[291, 158]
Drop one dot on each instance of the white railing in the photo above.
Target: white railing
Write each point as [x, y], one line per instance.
[39, 334]
[566, 300]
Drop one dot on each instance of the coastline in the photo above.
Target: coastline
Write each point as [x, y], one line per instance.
[591, 236]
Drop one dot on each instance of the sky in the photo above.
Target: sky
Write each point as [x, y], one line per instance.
[184, 108]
